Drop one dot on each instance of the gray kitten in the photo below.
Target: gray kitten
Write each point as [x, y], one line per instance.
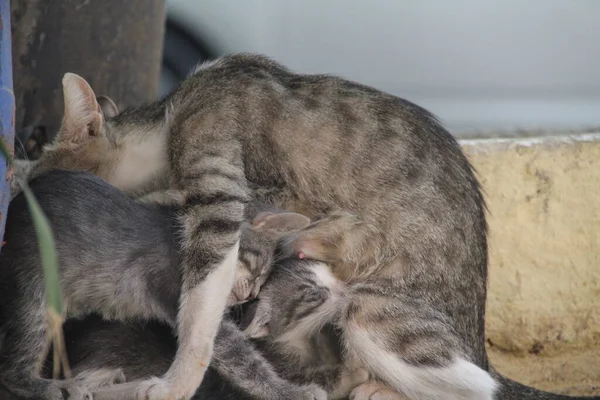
[298, 320]
[120, 259]
[402, 207]
[303, 315]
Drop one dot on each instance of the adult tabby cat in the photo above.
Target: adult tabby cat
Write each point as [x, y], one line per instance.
[402, 208]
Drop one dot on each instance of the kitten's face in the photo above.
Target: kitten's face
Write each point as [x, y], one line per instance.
[257, 254]
[298, 298]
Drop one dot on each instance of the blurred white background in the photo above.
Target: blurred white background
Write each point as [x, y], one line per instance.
[479, 65]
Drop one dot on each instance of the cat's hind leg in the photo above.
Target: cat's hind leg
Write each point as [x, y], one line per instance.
[413, 349]
[207, 166]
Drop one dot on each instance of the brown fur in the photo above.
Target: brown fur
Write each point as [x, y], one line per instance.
[402, 210]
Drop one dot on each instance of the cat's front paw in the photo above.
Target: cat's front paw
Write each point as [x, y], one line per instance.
[101, 377]
[374, 390]
[162, 389]
[86, 382]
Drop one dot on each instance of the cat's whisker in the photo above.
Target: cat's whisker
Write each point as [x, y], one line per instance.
[22, 146]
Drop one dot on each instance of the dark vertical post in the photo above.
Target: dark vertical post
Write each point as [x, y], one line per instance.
[116, 45]
[7, 107]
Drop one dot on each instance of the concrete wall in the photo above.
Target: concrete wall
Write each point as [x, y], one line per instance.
[543, 311]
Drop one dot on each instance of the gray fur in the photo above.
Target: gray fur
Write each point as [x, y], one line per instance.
[291, 290]
[118, 258]
[294, 294]
[403, 213]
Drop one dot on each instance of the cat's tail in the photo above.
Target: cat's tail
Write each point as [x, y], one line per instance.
[460, 380]
[511, 390]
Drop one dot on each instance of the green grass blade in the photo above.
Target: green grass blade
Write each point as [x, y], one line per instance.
[49, 259]
[47, 250]
[45, 241]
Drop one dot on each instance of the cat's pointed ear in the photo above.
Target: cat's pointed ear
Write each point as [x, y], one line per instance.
[280, 222]
[107, 106]
[83, 116]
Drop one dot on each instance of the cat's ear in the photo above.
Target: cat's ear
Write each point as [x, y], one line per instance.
[83, 116]
[280, 222]
[107, 106]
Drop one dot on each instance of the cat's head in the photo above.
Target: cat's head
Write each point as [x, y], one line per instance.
[91, 139]
[297, 300]
[258, 251]
[83, 140]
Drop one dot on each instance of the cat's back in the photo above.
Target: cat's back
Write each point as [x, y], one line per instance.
[88, 218]
[78, 201]
[257, 79]
[324, 127]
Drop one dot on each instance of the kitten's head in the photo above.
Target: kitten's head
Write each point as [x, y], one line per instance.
[258, 251]
[297, 300]
[82, 142]
[91, 140]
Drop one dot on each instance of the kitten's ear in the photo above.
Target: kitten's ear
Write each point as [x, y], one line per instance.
[83, 116]
[107, 106]
[281, 222]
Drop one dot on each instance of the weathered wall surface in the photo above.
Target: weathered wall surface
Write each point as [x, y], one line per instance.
[543, 311]
[116, 45]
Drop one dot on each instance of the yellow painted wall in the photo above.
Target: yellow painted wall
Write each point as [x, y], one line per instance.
[543, 311]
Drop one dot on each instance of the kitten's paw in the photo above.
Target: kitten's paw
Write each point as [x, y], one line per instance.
[162, 389]
[312, 392]
[374, 390]
[153, 389]
[100, 378]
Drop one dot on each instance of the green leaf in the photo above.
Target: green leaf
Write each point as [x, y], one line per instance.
[49, 259]
[45, 241]
[47, 251]
[7, 155]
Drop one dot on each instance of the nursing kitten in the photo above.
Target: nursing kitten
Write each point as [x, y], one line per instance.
[401, 205]
[120, 259]
[303, 314]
